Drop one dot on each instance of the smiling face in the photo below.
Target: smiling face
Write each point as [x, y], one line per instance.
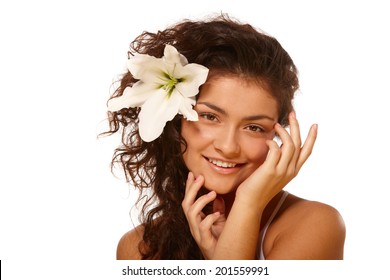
[228, 143]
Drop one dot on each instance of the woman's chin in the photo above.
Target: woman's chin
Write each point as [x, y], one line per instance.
[220, 189]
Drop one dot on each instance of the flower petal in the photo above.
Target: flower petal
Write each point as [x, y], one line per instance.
[172, 56]
[186, 109]
[147, 68]
[132, 96]
[193, 76]
[155, 112]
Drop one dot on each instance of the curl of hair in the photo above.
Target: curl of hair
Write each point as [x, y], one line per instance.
[226, 47]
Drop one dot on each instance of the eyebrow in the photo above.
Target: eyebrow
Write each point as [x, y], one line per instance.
[248, 118]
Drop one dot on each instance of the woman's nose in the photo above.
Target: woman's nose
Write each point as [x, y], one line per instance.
[226, 142]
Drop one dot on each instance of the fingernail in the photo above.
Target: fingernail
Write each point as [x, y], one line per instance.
[212, 193]
[315, 127]
[293, 114]
[198, 178]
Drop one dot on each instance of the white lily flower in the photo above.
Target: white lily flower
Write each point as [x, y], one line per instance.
[167, 86]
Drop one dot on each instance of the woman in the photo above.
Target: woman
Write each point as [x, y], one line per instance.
[210, 175]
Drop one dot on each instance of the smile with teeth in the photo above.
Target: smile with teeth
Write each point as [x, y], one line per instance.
[222, 163]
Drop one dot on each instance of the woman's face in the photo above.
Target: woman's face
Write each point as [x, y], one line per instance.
[228, 142]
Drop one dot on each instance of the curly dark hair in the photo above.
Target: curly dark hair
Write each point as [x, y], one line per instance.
[157, 168]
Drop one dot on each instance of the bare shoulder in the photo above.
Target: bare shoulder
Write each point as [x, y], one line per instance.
[128, 245]
[308, 230]
[313, 212]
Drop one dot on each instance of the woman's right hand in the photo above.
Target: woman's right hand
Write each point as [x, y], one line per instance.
[205, 229]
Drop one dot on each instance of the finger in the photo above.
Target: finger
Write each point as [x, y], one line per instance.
[193, 185]
[195, 215]
[188, 197]
[190, 179]
[295, 130]
[307, 147]
[295, 133]
[206, 235]
[287, 148]
[274, 154]
[196, 208]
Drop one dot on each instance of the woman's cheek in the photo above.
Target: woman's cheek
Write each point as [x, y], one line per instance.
[257, 151]
[206, 132]
[198, 130]
[198, 138]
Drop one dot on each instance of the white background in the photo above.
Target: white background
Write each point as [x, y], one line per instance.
[61, 209]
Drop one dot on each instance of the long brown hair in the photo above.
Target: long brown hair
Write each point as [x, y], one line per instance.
[157, 168]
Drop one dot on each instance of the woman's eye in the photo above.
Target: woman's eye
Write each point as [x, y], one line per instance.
[208, 116]
[255, 128]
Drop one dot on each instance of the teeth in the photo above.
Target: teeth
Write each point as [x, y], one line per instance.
[222, 164]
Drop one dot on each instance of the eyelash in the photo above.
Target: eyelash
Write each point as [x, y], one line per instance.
[211, 117]
[256, 128]
[208, 116]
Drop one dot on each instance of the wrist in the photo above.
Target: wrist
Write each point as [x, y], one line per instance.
[249, 203]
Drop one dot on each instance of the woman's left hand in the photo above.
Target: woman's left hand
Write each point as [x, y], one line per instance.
[281, 165]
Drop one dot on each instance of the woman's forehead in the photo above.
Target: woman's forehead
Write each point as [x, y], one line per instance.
[237, 94]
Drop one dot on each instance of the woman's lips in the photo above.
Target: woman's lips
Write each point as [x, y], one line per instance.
[223, 167]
